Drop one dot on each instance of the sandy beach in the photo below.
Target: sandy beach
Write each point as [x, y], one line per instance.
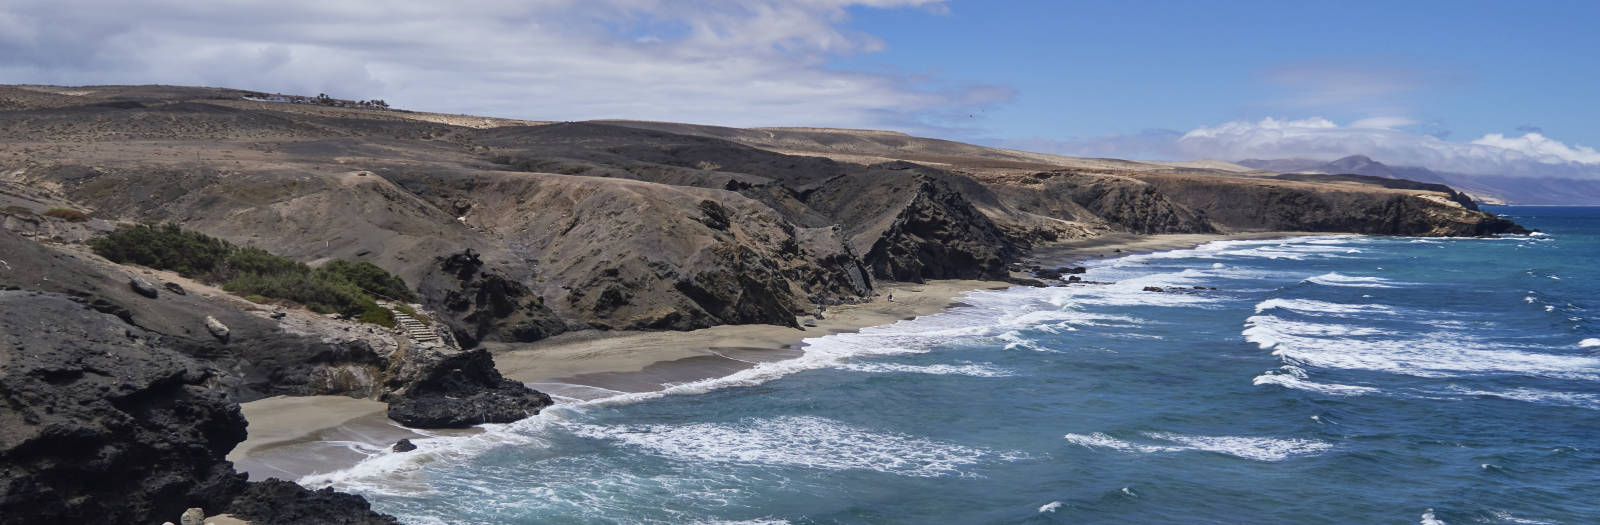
[291, 437]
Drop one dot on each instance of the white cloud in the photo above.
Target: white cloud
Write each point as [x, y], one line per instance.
[1541, 148]
[732, 62]
[1318, 138]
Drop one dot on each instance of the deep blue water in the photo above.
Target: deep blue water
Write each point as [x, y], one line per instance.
[1337, 379]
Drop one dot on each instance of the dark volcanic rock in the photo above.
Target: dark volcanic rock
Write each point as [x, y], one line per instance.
[404, 445]
[100, 423]
[143, 288]
[462, 390]
[175, 288]
[279, 502]
[480, 304]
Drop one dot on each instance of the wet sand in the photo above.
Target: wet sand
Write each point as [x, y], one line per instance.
[295, 437]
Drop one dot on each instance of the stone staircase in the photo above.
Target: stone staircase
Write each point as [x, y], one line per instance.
[417, 331]
[414, 329]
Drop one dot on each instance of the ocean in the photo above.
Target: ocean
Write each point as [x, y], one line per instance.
[1327, 379]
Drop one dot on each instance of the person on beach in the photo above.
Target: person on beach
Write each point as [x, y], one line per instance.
[891, 298]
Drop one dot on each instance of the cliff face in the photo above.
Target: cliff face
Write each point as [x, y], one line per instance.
[1266, 204]
[1111, 201]
[914, 224]
[261, 357]
[102, 422]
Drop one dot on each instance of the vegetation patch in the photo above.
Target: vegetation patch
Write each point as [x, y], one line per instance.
[351, 289]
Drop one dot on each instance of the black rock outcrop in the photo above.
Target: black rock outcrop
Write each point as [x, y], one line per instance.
[462, 390]
[480, 304]
[279, 502]
[101, 423]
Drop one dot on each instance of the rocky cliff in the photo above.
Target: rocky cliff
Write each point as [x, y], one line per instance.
[105, 422]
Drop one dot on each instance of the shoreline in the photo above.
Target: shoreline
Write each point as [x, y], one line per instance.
[293, 437]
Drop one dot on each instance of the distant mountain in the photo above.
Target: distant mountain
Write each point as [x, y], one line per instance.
[1489, 189]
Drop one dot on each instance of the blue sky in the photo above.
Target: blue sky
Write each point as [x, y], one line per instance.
[1082, 70]
[1473, 87]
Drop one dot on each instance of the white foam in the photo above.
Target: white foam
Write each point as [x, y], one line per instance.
[974, 370]
[1429, 519]
[803, 441]
[1592, 342]
[1350, 281]
[1534, 395]
[1435, 355]
[1508, 518]
[1252, 448]
[1049, 507]
[1311, 306]
[1268, 331]
[1300, 383]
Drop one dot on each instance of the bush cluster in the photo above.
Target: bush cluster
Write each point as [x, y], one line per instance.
[345, 287]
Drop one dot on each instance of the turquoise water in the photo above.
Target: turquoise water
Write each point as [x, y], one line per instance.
[1336, 379]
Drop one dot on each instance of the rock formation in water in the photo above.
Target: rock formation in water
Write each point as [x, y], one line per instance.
[462, 390]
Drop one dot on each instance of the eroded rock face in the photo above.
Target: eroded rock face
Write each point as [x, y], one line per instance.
[101, 423]
[1290, 206]
[481, 304]
[461, 390]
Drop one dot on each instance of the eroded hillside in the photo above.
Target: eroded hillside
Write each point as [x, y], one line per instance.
[519, 230]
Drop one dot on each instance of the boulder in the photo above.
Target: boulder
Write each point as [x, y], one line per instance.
[175, 288]
[193, 516]
[404, 445]
[217, 329]
[143, 287]
[461, 390]
[1153, 289]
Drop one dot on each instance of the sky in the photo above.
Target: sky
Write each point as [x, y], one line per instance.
[1505, 88]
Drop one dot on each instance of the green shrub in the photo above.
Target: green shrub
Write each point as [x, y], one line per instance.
[318, 294]
[67, 214]
[369, 277]
[247, 261]
[165, 247]
[344, 287]
[377, 315]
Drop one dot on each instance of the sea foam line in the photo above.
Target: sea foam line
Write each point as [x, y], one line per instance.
[1252, 448]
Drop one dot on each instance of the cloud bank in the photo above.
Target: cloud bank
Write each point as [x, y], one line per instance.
[1530, 155]
[731, 62]
[1381, 138]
